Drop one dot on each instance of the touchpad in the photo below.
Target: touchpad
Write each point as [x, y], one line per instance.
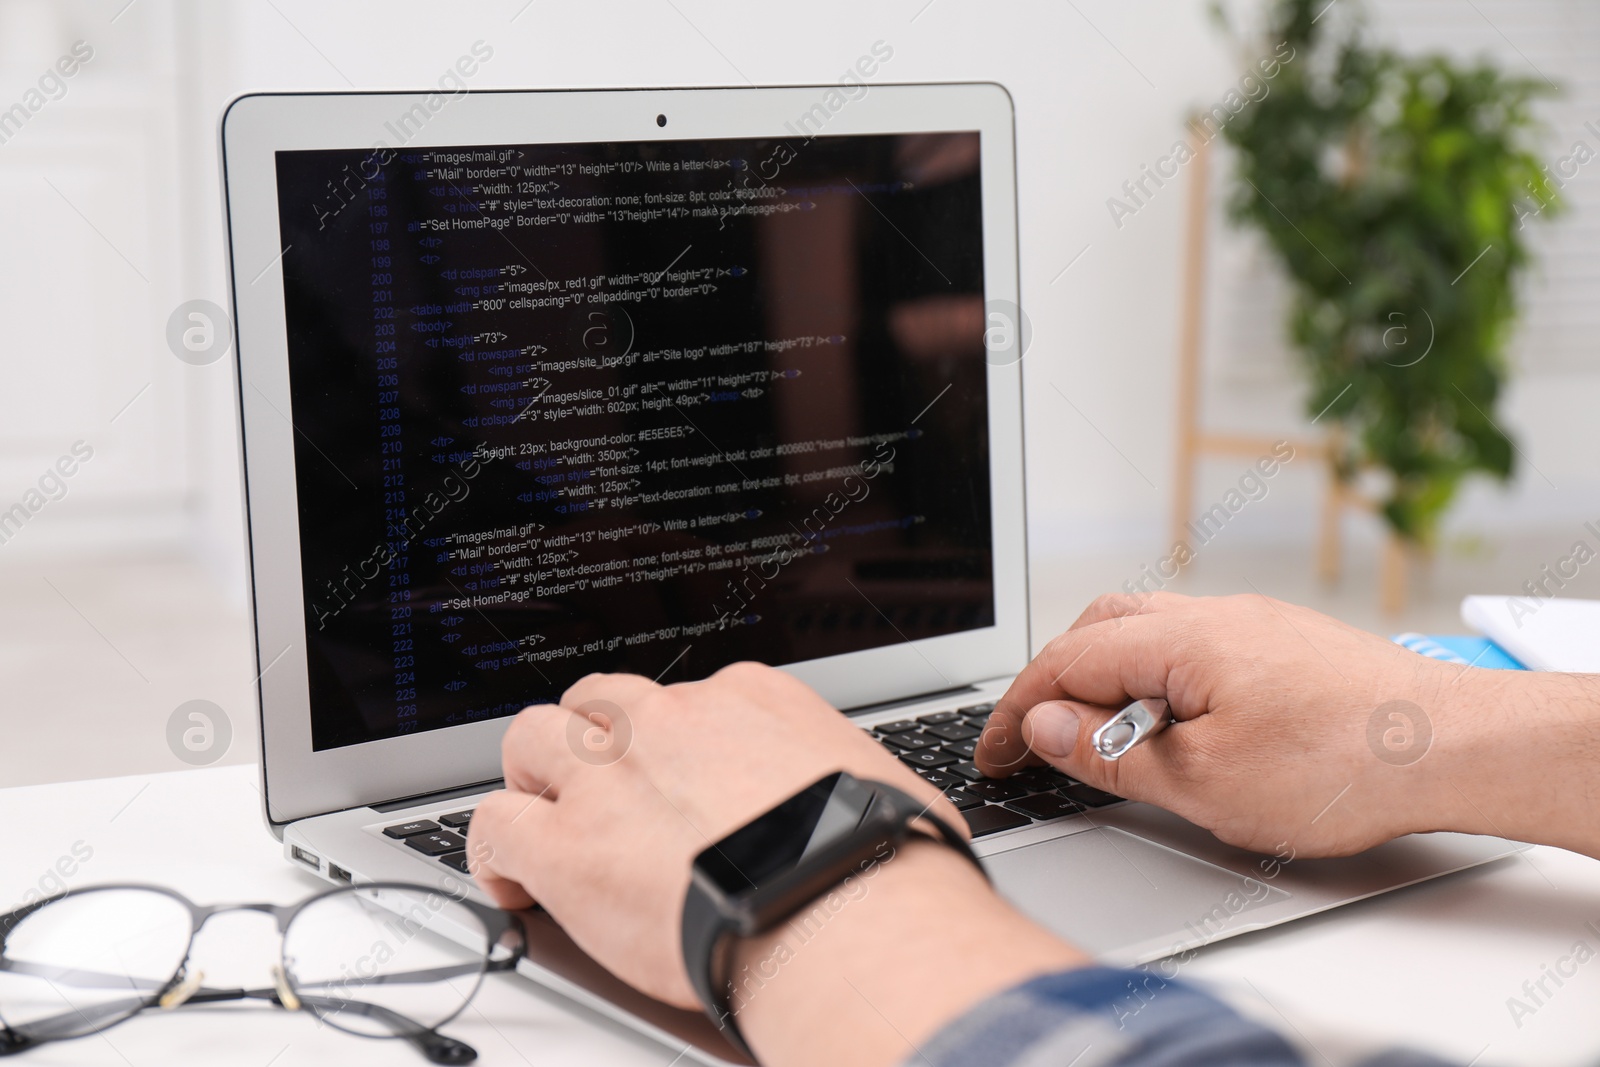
[1105, 890]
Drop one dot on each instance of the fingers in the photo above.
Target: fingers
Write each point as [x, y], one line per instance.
[1117, 606]
[756, 685]
[536, 754]
[509, 830]
[619, 689]
[1107, 663]
[547, 742]
[504, 892]
[1061, 733]
[757, 679]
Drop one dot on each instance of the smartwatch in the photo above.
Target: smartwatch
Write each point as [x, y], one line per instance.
[763, 873]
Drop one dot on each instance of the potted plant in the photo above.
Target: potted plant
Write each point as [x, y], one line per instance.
[1397, 192]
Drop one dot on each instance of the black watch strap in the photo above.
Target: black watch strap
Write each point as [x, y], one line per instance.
[707, 920]
[704, 929]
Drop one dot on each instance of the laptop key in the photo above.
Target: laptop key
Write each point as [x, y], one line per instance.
[1043, 806]
[437, 844]
[459, 821]
[991, 819]
[995, 789]
[410, 829]
[912, 742]
[964, 749]
[966, 769]
[1036, 780]
[941, 779]
[1088, 795]
[939, 717]
[953, 731]
[963, 800]
[898, 726]
[458, 860]
[977, 709]
[927, 758]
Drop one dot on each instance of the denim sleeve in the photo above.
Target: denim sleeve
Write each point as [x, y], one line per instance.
[1106, 1017]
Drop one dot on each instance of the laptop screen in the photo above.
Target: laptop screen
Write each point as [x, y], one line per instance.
[651, 407]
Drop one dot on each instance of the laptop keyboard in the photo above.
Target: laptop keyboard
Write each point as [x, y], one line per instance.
[938, 746]
[444, 839]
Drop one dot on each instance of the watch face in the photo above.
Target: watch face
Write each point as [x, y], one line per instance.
[816, 820]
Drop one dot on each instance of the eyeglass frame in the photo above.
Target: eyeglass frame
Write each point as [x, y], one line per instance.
[438, 1048]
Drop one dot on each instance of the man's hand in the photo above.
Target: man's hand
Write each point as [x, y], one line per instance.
[611, 794]
[1296, 731]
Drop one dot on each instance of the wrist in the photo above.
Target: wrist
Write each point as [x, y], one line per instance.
[861, 955]
[1517, 753]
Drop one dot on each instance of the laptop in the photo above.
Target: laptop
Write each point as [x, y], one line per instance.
[535, 384]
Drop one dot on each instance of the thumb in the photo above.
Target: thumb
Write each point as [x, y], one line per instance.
[1061, 733]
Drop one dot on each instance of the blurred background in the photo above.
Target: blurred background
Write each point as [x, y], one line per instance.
[123, 593]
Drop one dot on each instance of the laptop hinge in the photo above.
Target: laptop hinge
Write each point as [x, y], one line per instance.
[923, 698]
[423, 800]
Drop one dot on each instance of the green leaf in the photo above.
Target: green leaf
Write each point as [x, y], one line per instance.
[1426, 186]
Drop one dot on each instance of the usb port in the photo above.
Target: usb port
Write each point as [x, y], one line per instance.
[339, 874]
[302, 856]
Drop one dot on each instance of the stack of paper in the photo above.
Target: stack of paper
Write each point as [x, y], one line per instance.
[1544, 633]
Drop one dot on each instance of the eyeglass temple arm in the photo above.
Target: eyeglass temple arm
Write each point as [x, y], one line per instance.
[51, 1027]
[82, 979]
[435, 1046]
[429, 974]
[40, 1030]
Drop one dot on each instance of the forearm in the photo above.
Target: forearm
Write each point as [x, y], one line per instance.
[871, 972]
[1519, 757]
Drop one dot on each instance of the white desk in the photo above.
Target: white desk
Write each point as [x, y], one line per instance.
[1431, 966]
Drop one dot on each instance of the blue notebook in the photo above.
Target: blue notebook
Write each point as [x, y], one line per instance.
[1467, 651]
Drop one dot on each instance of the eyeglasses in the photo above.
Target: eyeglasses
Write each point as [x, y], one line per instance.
[381, 959]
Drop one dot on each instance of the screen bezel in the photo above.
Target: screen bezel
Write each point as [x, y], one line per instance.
[299, 782]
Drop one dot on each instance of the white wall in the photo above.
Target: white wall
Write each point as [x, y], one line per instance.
[1099, 87]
